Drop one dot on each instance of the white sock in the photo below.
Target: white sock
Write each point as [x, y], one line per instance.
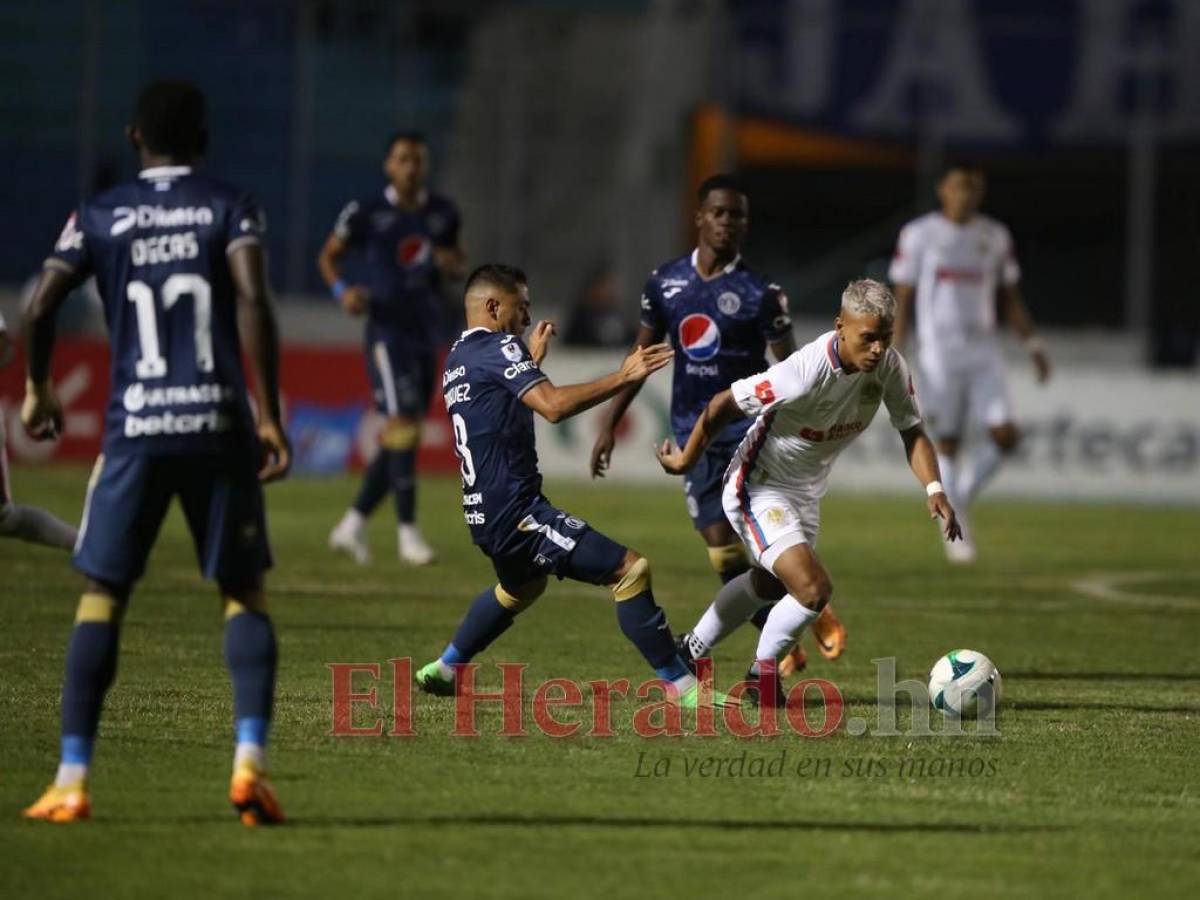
[70, 773]
[36, 526]
[984, 460]
[252, 755]
[352, 520]
[734, 604]
[783, 628]
[444, 670]
[408, 531]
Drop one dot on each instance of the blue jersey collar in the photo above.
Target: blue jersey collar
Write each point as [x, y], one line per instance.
[393, 196]
[156, 172]
[725, 271]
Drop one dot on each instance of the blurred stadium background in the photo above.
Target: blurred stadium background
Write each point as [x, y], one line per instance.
[572, 133]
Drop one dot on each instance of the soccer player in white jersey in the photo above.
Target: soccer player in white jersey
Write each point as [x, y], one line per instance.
[954, 260]
[25, 522]
[807, 409]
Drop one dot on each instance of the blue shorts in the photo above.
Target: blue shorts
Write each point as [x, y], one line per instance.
[128, 497]
[549, 541]
[401, 378]
[703, 485]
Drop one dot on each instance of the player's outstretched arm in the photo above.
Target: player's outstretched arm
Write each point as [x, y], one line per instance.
[721, 410]
[904, 294]
[923, 460]
[41, 413]
[606, 438]
[1017, 314]
[353, 297]
[555, 403]
[260, 339]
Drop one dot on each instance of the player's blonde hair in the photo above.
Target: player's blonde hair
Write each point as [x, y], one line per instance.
[868, 297]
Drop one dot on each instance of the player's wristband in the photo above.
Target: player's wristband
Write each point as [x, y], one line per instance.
[338, 288]
[934, 487]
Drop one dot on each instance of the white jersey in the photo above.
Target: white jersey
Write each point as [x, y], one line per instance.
[955, 270]
[809, 410]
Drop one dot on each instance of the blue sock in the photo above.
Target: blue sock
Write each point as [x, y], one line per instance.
[252, 730]
[374, 484]
[402, 471]
[645, 624]
[251, 655]
[91, 667]
[486, 620]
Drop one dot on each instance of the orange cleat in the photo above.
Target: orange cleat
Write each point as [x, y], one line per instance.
[67, 804]
[829, 633]
[794, 662]
[253, 796]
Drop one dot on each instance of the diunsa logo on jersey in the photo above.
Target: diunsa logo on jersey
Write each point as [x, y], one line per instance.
[699, 337]
[414, 250]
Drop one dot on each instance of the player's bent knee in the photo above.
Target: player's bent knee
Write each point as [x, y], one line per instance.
[96, 606]
[400, 434]
[1006, 438]
[727, 558]
[766, 585]
[239, 602]
[634, 581]
[947, 446]
[520, 599]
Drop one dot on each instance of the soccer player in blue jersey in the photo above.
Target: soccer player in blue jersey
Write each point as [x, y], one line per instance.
[178, 260]
[407, 240]
[493, 384]
[721, 317]
[25, 522]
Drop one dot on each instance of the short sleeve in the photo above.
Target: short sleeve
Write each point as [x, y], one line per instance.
[350, 226]
[898, 394]
[774, 319]
[906, 261]
[510, 361]
[1010, 271]
[71, 252]
[653, 316]
[247, 224]
[782, 383]
[447, 226]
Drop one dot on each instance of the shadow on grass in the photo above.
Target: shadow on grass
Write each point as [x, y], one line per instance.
[553, 821]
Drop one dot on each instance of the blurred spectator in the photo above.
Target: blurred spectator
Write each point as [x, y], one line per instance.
[598, 319]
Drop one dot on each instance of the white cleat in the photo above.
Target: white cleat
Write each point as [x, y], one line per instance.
[351, 540]
[961, 552]
[412, 547]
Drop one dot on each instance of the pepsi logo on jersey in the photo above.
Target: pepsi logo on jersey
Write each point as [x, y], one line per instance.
[699, 337]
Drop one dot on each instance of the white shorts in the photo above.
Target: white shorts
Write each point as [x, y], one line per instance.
[953, 395]
[768, 519]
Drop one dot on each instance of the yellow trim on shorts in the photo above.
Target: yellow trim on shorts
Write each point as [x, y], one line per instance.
[731, 556]
[402, 435]
[96, 607]
[252, 601]
[528, 593]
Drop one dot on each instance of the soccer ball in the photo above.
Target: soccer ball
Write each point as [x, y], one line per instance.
[964, 683]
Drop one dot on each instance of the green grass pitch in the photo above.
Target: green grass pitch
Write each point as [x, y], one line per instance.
[1092, 614]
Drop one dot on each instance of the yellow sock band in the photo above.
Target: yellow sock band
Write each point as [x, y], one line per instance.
[98, 608]
[254, 601]
[400, 435]
[633, 582]
[731, 556]
[523, 598]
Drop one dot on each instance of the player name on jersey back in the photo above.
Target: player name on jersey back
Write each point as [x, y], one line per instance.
[158, 247]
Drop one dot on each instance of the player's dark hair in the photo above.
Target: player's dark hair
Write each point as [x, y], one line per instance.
[412, 137]
[172, 118]
[509, 279]
[721, 182]
[960, 164]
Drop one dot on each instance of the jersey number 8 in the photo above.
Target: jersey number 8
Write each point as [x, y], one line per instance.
[467, 463]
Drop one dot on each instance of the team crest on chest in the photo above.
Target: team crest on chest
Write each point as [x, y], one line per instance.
[872, 392]
[729, 303]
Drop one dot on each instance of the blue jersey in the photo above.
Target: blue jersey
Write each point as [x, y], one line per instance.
[486, 374]
[158, 247]
[397, 256]
[719, 329]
